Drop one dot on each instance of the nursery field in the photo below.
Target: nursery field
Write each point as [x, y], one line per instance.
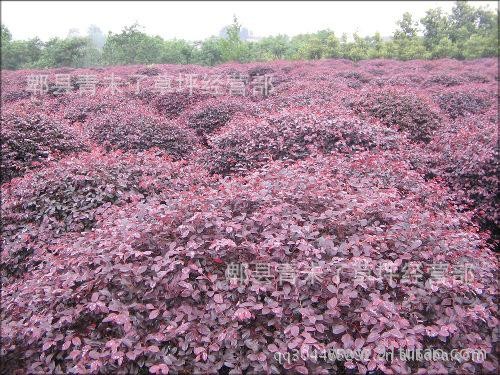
[283, 217]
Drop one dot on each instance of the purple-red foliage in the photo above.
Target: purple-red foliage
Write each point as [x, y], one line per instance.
[464, 154]
[83, 107]
[446, 80]
[354, 79]
[12, 88]
[211, 118]
[406, 112]
[114, 261]
[68, 192]
[15, 95]
[149, 71]
[260, 71]
[291, 136]
[147, 289]
[29, 139]
[171, 105]
[128, 129]
[476, 77]
[460, 103]
[71, 196]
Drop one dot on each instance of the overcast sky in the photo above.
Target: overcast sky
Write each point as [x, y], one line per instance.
[199, 20]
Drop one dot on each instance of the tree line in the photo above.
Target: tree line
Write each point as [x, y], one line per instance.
[466, 32]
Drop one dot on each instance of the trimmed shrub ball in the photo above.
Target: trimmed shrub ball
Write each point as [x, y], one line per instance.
[136, 131]
[171, 105]
[461, 103]
[408, 113]
[72, 195]
[294, 136]
[31, 139]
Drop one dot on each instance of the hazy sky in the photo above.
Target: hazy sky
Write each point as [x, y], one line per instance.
[198, 20]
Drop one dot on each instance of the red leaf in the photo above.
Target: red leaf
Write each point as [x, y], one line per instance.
[332, 303]
[198, 350]
[153, 349]
[294, 330]
[218, 261]
[337, 329]
[373, 336]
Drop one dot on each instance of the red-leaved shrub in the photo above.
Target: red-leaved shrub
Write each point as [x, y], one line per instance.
[290, 137]
[152, 230]
[172, 104]
[446, 80]
[149, 71]
[147, 290]
[83, 107]
[131, 130]
[404, 111]
[71, 195]
[460, 103]
[464, 154]
[30, 139]
[211, 118]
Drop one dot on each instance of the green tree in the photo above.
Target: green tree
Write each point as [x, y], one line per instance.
[187, 51]
[63, 52]
[211, 51]
[355, 50]
[332, 47]
[233, 48]
[312, 48]
[466, 32]
[407, 28]
[407, 44]
[132, 46]
[96, 36]
[484, 42]
[273, 47]
[444, 47]
[6, 36]
[463, 25]
[177, 51]
[18, 54]
[436, 27]
[463, 21]
[377, 47]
